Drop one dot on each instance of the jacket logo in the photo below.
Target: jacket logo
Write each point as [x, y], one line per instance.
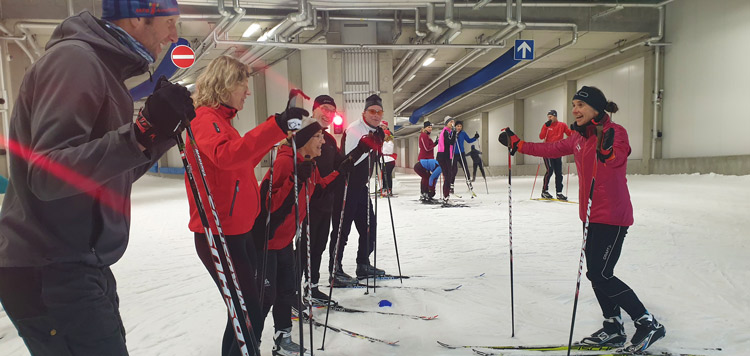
[578, 146]
[217, 128]
[582, 94]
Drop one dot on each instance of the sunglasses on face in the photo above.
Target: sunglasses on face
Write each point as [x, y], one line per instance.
[374, 112]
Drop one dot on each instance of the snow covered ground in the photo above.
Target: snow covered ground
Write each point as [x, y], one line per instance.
[686, 257]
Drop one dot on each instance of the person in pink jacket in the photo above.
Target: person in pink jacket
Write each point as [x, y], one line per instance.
[601, 150]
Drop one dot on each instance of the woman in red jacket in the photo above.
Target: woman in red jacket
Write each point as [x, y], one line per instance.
[281, 284]
[600, 145]
[229, 160]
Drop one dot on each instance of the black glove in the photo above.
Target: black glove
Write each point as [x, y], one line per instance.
[165, 114]
[379, 134]
[549, 122]
[373, 141]
[476, 134]
[304, 170]
[291, 119]
[346, 165]
[509, 139]
[437, 140]
[605, 152]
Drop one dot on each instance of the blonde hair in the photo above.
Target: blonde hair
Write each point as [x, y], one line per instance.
[215, 85]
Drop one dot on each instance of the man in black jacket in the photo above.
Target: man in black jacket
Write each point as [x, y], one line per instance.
[321, 203]
[66, 215]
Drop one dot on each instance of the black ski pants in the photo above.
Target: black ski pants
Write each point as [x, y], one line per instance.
[553, 165]
[244, 257]
[444, 161]
[424, 185]
[280, 286]
[320, 226]
[357, 202]
[388, 174]
[603, 247]
[64, 309]
[481, 168]
[460, 159]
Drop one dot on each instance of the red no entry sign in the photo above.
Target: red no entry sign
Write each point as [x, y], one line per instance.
[183, 56]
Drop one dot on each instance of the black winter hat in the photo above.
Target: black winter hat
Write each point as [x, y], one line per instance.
[553, 112]
[309, 128]
[322, 100]
[459, 122]
[373, 99]
[427, 124]
[592, 96]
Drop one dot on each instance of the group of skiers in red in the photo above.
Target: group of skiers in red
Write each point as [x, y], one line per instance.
[309, 170]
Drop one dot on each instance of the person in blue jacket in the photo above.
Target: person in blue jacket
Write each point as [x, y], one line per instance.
[458, 149]
[429, 170]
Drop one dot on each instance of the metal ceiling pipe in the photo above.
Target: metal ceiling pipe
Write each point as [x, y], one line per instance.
[450, 22]
[71, 11]
[207, 42]
[397, 28]
[421, 34]
[400, 78]
[279, 32]
[19, 43]
[657, 84]
[465, 60]
[345, 46]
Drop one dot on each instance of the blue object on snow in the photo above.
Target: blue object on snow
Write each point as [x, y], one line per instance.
[385, 303]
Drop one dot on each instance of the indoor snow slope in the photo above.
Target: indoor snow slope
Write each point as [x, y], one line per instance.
[686, 258]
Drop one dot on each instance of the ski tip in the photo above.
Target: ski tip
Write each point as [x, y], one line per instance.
[446, 345]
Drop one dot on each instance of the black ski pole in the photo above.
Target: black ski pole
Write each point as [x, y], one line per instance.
[585, 237]
[367, 210]
[233, 298]
[393, 227]
[510, 245]
[298, 242]
[309, 268]
[264, 261]
[462, 161]
[335, 262]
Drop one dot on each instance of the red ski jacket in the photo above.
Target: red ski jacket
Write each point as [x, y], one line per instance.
[283, 186]
[229, 161]
[426, 147]
[611, 204]
[554, 132]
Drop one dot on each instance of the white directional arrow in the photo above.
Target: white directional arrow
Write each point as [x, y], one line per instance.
[523, 48]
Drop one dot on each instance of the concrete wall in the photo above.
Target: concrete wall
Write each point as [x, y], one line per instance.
[536, 108]
[624, 85]
[706, 79]
[315, 74]
[500, 118]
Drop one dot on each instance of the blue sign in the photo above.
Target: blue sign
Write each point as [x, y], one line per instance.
[524, 50]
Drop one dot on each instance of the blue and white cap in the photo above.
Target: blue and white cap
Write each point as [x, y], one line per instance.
[123, 9]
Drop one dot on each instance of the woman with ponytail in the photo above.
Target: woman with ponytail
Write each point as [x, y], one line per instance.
[601, 148]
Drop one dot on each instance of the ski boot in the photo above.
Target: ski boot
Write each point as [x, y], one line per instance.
[284, 346]
[341, 279]
[647, 332]
[612, 334]
[546, 195]
[318, 298]
[560, 196]
[367, 270]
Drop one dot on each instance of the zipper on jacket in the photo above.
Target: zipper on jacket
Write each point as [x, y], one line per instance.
[236, 190]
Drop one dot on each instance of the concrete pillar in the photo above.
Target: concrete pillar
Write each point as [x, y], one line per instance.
[294, 70]
[385, 84]
[518, 124]
[261, 113]
[571, 87]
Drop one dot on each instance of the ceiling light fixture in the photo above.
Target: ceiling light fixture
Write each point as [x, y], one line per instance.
[253, 28]
[428, 61]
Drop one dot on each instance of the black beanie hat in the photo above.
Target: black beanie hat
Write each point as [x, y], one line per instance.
[459, 122]
[309, 128]
[322, 100]
[427, 124]
[373, 99]
[553, 112]
[592, 96]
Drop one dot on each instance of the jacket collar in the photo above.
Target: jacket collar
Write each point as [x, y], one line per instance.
[226, 111]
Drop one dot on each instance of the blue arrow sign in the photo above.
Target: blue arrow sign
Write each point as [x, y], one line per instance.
[524, 50]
